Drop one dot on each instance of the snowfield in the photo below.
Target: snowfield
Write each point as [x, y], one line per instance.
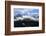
[26, 17]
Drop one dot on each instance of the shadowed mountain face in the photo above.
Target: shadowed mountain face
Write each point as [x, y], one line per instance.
[25, 17]
[26, 23]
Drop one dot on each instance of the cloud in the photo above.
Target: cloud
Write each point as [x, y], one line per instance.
[25, 11]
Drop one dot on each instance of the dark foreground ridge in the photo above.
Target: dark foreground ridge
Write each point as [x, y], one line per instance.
[26, 23]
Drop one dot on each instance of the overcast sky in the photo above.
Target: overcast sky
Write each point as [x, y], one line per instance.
[25, 11]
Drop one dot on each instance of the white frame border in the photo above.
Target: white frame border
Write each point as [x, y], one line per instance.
[26, 28]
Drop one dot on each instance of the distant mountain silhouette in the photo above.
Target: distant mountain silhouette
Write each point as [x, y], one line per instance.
[33, 17]
[26, 21]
